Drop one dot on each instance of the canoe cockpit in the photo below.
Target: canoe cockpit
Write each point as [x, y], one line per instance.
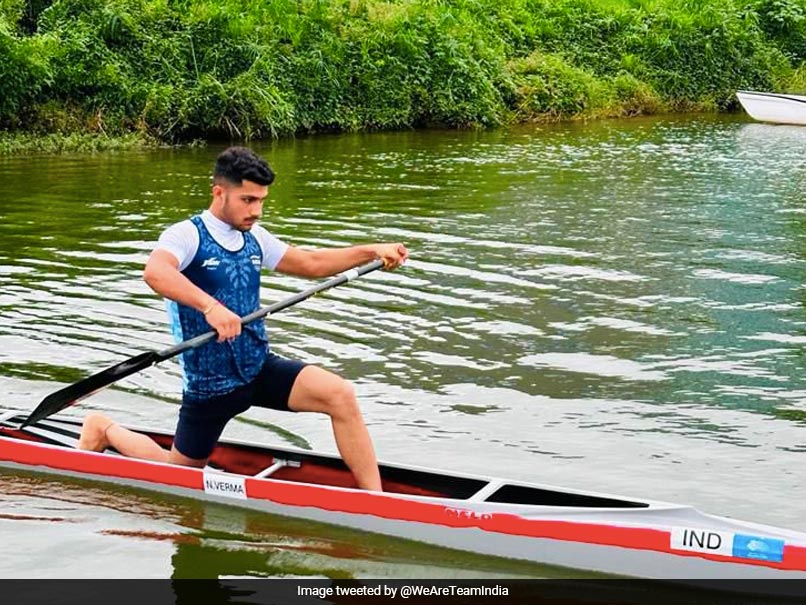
[321, 470]
[303, 467]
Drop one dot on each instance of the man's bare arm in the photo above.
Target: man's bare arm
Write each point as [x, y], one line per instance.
[163, 276]
[328, 261]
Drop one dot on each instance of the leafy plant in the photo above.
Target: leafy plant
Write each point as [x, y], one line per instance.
[183, 69]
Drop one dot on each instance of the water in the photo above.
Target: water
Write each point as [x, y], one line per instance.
[614, 306]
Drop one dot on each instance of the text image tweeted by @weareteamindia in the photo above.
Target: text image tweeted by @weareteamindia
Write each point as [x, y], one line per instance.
[403, 590]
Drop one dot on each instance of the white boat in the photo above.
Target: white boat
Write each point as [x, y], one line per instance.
[492, 516]
[774, 107]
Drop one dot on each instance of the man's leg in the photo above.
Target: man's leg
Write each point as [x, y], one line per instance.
[317, 390]
[100, 432]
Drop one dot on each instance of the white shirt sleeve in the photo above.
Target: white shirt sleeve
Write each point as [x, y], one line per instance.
[181, 240]
[272, 247]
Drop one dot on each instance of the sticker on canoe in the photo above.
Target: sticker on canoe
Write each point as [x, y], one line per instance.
[221, 485]
[727, 544]
[756, 547]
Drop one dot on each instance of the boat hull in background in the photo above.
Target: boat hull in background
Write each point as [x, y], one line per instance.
[774, 107]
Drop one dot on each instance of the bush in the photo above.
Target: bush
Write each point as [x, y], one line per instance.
[24, 72]
[183, 69]
[784, 21]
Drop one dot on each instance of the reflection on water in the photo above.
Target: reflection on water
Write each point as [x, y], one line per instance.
[615, 306]
[77, 529]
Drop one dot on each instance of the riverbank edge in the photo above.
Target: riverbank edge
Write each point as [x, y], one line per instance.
[31, 143]
[13, 143]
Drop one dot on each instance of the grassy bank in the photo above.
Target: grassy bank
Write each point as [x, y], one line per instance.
[176, 70]
[15, 143]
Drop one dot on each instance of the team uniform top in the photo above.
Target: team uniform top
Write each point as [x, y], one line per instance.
[225, 263]
[182, 240]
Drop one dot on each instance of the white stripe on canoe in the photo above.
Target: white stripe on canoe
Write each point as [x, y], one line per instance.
[486, 491]
[42, 431]
[4, 418]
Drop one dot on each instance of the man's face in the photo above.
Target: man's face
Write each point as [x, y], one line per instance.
[242, 205]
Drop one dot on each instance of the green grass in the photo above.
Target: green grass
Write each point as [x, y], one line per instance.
[17, 143]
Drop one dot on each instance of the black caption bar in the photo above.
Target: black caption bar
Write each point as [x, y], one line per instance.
[403, 592]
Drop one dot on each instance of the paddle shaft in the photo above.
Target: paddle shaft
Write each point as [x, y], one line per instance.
[340, 279]
[85, 387]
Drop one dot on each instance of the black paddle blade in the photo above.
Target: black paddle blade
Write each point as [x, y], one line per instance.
[55, 402]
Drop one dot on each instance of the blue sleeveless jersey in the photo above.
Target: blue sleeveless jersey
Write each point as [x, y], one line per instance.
[234, 279]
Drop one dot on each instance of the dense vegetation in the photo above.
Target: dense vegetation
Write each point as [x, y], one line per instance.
[176, 70]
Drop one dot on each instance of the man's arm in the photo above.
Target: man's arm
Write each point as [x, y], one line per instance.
[328, 261]
[163, 276]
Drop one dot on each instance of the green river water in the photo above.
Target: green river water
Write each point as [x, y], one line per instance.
[616, 306]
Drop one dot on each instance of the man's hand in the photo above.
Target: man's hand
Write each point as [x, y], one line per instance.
[224, 321]
[393, 255]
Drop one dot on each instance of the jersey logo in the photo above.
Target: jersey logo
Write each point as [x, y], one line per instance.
[256, 260]
[211, 263]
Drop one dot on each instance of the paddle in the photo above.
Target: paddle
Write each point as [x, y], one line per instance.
[85, 387]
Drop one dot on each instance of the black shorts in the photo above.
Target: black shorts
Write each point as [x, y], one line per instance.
[201, 421]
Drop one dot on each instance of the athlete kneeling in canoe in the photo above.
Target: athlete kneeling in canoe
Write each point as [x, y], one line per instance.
[208, 267]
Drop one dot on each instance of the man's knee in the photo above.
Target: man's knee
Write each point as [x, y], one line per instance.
[341, 399]
[177, 457]
[318, 390]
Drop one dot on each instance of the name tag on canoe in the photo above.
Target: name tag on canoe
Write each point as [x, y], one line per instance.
[221, 485]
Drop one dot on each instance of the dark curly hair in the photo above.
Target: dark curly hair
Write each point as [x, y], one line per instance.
[238, 164]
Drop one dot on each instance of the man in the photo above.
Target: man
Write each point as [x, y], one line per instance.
[208, 268]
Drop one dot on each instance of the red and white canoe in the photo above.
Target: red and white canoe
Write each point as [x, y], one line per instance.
[540, 523]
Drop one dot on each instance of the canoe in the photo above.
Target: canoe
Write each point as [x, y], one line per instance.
[774, 107]
[491, 516]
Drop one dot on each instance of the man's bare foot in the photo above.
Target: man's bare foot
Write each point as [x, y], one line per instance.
[93, 432]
